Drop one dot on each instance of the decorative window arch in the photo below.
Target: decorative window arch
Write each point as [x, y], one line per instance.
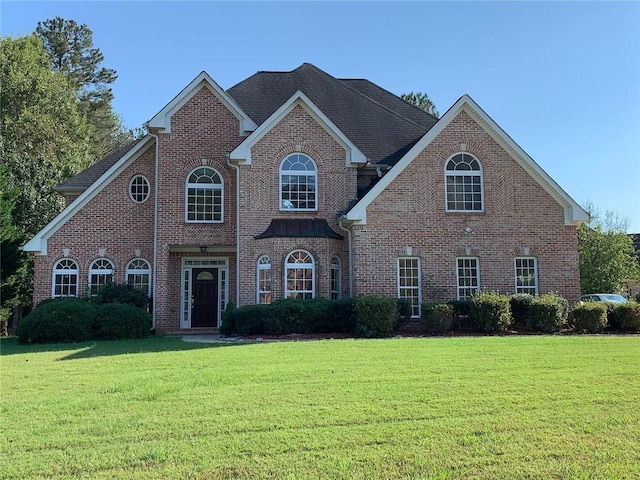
[65, 279]
[264, 280]
[100, 273]
[139, 189]
[138, 275]
[336, 278]
[298, 183]
[299, 278]
[463, 184]
[204, 196]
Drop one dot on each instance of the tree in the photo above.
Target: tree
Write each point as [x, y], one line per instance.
[607, 257]
[422, 101]
[44, 141]
[71, 52]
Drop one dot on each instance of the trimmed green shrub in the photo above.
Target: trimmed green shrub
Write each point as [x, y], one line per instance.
[375, 315]
[404, 313]
[114, 293]
[344, 315]
[520, 303]
[249, 319]
[437, 317]
[116, 321]
[590, 317]
[59, 320]
[228, 325]
[490, 312]
[624, 316]
[461, 314]
[547, 313]
[290, 315]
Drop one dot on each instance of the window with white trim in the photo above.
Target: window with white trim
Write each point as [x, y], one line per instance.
[299, 274]
[463, 184]
[298, 179]
[138, 275]
[100, 273]
[409, 282]
[65, 279]
[468, 275]
[264, 280]
[139, 189]
[336, 278]
[204, 194]
[526, 275]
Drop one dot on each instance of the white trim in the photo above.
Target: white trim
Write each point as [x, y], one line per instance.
[535, 273]
[477, 268]
[574, 214]
[204, 186]
[293, 266]
[298, 173]
[242, 153]
[139, 175]
[100, 272]
[38, 244]
[138, 271]
[162, 119]
[460, 173]
[64, 271]
[335, 267]
[186, 266]
[262, 266]
[419, 287]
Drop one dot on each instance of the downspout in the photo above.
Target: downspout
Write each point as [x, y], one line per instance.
[155, 232]
[350, 261]
[237, 169]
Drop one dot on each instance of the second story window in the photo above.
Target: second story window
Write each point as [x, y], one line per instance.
[463, 184]
[298, 183]
[204, 196]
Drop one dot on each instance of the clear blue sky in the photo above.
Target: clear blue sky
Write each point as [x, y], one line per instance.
[562, 79]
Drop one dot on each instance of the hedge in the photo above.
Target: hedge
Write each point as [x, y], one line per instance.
[114, 321]
[375, 315]
[490, 312]
[437, 318]
[547, 313]
[590, 317]
[58, 320]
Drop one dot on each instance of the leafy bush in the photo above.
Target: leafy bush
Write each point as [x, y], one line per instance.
[249, 319]
[290, 315]
[437, 317]
[228, 325]
[343, 314]
[461, 313]
[547, 313]
[590, 317]
[624, 316]
[490, 312]
[520, 303]
[375, 315]
[114, 293]
[58, 320]
[116, 321]
[404, 313]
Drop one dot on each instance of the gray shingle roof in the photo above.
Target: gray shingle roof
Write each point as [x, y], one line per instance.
[299, 227]
[380, 124]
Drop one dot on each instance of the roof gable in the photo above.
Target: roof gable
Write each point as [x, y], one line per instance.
[573, 213]
[242, 153]
[162, 120]
[38, 244]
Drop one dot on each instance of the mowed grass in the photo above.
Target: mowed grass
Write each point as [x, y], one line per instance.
[432, 408]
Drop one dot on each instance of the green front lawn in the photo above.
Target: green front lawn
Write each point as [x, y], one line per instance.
[434, 408]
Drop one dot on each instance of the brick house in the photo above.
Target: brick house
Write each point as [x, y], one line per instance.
[299, 184]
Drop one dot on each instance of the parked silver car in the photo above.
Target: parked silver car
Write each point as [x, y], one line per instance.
[603, 297]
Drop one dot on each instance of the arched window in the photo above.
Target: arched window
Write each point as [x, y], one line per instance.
[463, 177]
[264, 280]
[298, 182]
[138, 275]
[336, 278]
[65, 279]
[299, 275]
[100, 273]
[139, 189]
[204, 194]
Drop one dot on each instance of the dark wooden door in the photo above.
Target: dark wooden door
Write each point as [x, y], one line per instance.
[204, 297]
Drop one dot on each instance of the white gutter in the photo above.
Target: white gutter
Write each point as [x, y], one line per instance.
[155, 233]
[237, 169]
[350, 261]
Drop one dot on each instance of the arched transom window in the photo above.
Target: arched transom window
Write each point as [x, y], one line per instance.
[204, 194]
[464, 184]
[100, 273]
[264, 280]
[138, 275]
[298, 183]
[299, 275]
[65, 279]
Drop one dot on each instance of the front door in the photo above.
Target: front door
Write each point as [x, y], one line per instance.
[204, 297]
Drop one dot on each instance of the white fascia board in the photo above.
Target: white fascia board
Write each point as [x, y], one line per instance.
[38, 244]
[242, 153]
[162, 120]
[573, 213]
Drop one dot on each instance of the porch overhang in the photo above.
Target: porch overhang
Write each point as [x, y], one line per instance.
[204, 248]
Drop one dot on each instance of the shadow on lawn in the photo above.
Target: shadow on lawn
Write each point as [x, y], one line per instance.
[106, 348]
